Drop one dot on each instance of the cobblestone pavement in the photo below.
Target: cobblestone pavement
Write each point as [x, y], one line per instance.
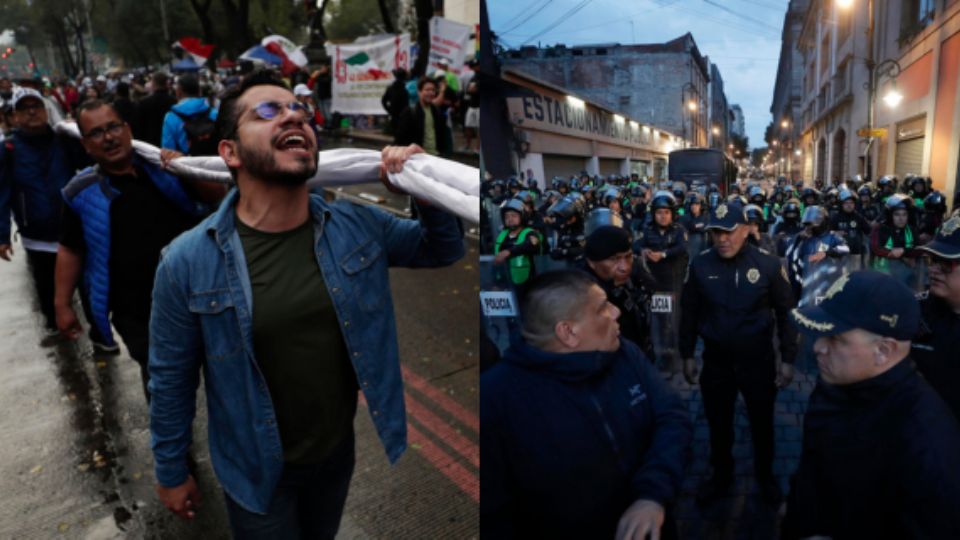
[742, 514]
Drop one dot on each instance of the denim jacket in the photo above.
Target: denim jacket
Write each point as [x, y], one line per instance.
[202, 317]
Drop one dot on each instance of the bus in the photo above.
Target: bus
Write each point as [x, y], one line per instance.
[702, 166]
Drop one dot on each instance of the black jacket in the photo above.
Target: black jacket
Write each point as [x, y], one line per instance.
[410, 128]
[632, 299]
[395, 99]
[569, 441]
[150, 113]
[936, 349]
[881, 459]
[735, 303]
[667, 272]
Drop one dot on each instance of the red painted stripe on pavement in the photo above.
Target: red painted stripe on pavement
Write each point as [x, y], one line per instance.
[458, 411]
[455, 472]
[441, 429]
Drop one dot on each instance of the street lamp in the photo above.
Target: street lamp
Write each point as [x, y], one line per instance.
[844, 4]
[785, 124]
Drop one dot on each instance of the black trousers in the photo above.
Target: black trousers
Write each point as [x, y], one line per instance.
[134, 330]
[726, 373]
[42, 266]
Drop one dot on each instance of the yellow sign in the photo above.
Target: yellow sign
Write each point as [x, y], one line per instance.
[877, 132]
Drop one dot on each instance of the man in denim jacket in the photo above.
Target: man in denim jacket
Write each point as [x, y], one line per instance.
[284, 300]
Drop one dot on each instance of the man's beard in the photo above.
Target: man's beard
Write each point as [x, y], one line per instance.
[261, 165]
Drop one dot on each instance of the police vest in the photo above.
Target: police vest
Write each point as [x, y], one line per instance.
[882, 264]
[520, 265]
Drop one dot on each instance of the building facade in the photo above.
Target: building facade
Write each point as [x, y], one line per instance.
[719, 114]
[850, 63]
[557, 133]
[663, 85]
[738, 125]
[786, 155]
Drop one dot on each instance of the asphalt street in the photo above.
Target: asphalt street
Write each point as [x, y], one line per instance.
[74, 437]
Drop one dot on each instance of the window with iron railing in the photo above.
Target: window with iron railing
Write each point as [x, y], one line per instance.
[915, 15]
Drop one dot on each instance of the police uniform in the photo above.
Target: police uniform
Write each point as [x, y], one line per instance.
[936, 348]
[731, 303]
[672, 241]
[881, 455]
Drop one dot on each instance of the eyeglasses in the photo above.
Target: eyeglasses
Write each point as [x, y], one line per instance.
[944, 265]
[96, 135]
[268, 110]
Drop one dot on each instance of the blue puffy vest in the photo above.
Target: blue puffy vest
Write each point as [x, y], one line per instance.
[89, 194]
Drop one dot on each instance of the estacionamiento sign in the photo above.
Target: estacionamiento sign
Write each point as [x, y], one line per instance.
[547, 113]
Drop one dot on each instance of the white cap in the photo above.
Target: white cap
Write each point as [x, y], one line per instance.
[101, 78]
[22, 93]
[87, 81]
[301, 90]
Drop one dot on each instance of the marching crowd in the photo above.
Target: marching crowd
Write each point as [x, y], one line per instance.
[582, 436]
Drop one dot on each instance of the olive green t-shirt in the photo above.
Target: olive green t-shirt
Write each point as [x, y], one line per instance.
[297, 343]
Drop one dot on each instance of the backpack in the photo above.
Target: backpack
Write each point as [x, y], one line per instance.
[201, 133]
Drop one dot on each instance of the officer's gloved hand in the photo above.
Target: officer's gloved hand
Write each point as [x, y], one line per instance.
[690, 370]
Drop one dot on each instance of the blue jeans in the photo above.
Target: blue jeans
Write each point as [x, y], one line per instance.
[307, 503]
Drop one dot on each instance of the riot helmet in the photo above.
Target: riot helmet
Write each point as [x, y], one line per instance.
[599, 217]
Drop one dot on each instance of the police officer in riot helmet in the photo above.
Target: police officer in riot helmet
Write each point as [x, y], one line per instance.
[610, 198]
[561, 184]
[713, 200]
[589, 197]
[679, 193]
[934, 209]
[868, 206]
[534, 218]
[893, 244]
[610, 261]
[695, 221]
[513, 186]
[734, 298]
[917, 188]
[852, 227]
[567, 214]
[936, 345]
[809, 196]
[784, 231]
[812, 246]
[516, 245]
[663, 244]
[886, 186]
[757, 224]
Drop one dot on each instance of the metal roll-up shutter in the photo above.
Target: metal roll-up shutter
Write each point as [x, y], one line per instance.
[609, 166]
[909, 157]
[565, 166]
[909, 151]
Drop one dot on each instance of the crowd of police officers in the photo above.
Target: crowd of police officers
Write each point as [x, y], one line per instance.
[675, 283]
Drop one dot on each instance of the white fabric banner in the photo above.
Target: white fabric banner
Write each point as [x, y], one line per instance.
[362, 72]
[450, 185]
[449, 41]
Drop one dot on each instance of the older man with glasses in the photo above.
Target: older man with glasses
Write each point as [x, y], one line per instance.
[118, 215]
[936, 349]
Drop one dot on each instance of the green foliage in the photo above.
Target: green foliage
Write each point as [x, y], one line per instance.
[347, 20]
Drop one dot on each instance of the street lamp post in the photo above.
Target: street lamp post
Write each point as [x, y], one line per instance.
[890, 68]
[683, 105]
